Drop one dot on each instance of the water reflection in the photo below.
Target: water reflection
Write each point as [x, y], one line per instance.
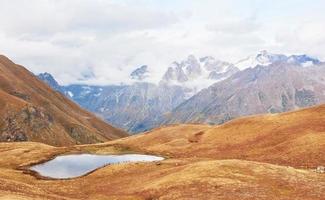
[71, 166]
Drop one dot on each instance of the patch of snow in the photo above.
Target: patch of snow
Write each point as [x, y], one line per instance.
[85, 87]
[70, 94]
[307, 64]
[251, 62]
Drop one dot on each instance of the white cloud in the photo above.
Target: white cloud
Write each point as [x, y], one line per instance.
[234, 26]
[38, 18]
[111, 38]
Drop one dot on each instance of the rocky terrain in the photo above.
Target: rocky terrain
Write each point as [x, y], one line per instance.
[31, 111]
[271, 156]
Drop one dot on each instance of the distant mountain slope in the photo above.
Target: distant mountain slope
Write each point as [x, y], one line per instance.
[31, 111]
[49, 79]
[278, 87]
[135, 108]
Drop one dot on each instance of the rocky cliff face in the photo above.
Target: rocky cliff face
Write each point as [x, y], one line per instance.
[32, 111]
[191, 71]
[16, 125]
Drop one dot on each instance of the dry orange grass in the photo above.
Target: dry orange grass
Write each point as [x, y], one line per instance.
[295, 138]
[168, 179]
[247, 158]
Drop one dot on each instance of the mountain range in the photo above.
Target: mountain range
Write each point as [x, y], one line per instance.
[204, 90]
[140, 106]
[275, 88]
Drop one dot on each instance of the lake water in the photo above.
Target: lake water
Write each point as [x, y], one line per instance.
[71, 166]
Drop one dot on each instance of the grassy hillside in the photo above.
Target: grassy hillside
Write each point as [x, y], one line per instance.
[294, 138]
[261, 157]
[32, 111]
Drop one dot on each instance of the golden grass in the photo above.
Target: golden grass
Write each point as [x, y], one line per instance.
[259, 157]
[296, 139]
[169, 179]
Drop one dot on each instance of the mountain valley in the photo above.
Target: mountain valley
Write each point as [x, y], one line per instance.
[162, 100]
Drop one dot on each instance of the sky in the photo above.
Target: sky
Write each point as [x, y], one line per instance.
[101, 42]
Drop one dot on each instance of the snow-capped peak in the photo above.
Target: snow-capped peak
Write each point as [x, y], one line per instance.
[263, 58]
[198, 73]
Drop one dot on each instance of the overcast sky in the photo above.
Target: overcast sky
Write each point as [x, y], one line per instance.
[102, 41]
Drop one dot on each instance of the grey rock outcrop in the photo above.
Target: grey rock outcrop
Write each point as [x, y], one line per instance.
[320, 169]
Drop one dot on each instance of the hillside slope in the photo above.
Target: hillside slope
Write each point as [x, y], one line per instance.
[31, 111]
[261, 157]
[294, 138]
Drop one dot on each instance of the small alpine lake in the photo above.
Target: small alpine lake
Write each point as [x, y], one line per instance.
[76, 165]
